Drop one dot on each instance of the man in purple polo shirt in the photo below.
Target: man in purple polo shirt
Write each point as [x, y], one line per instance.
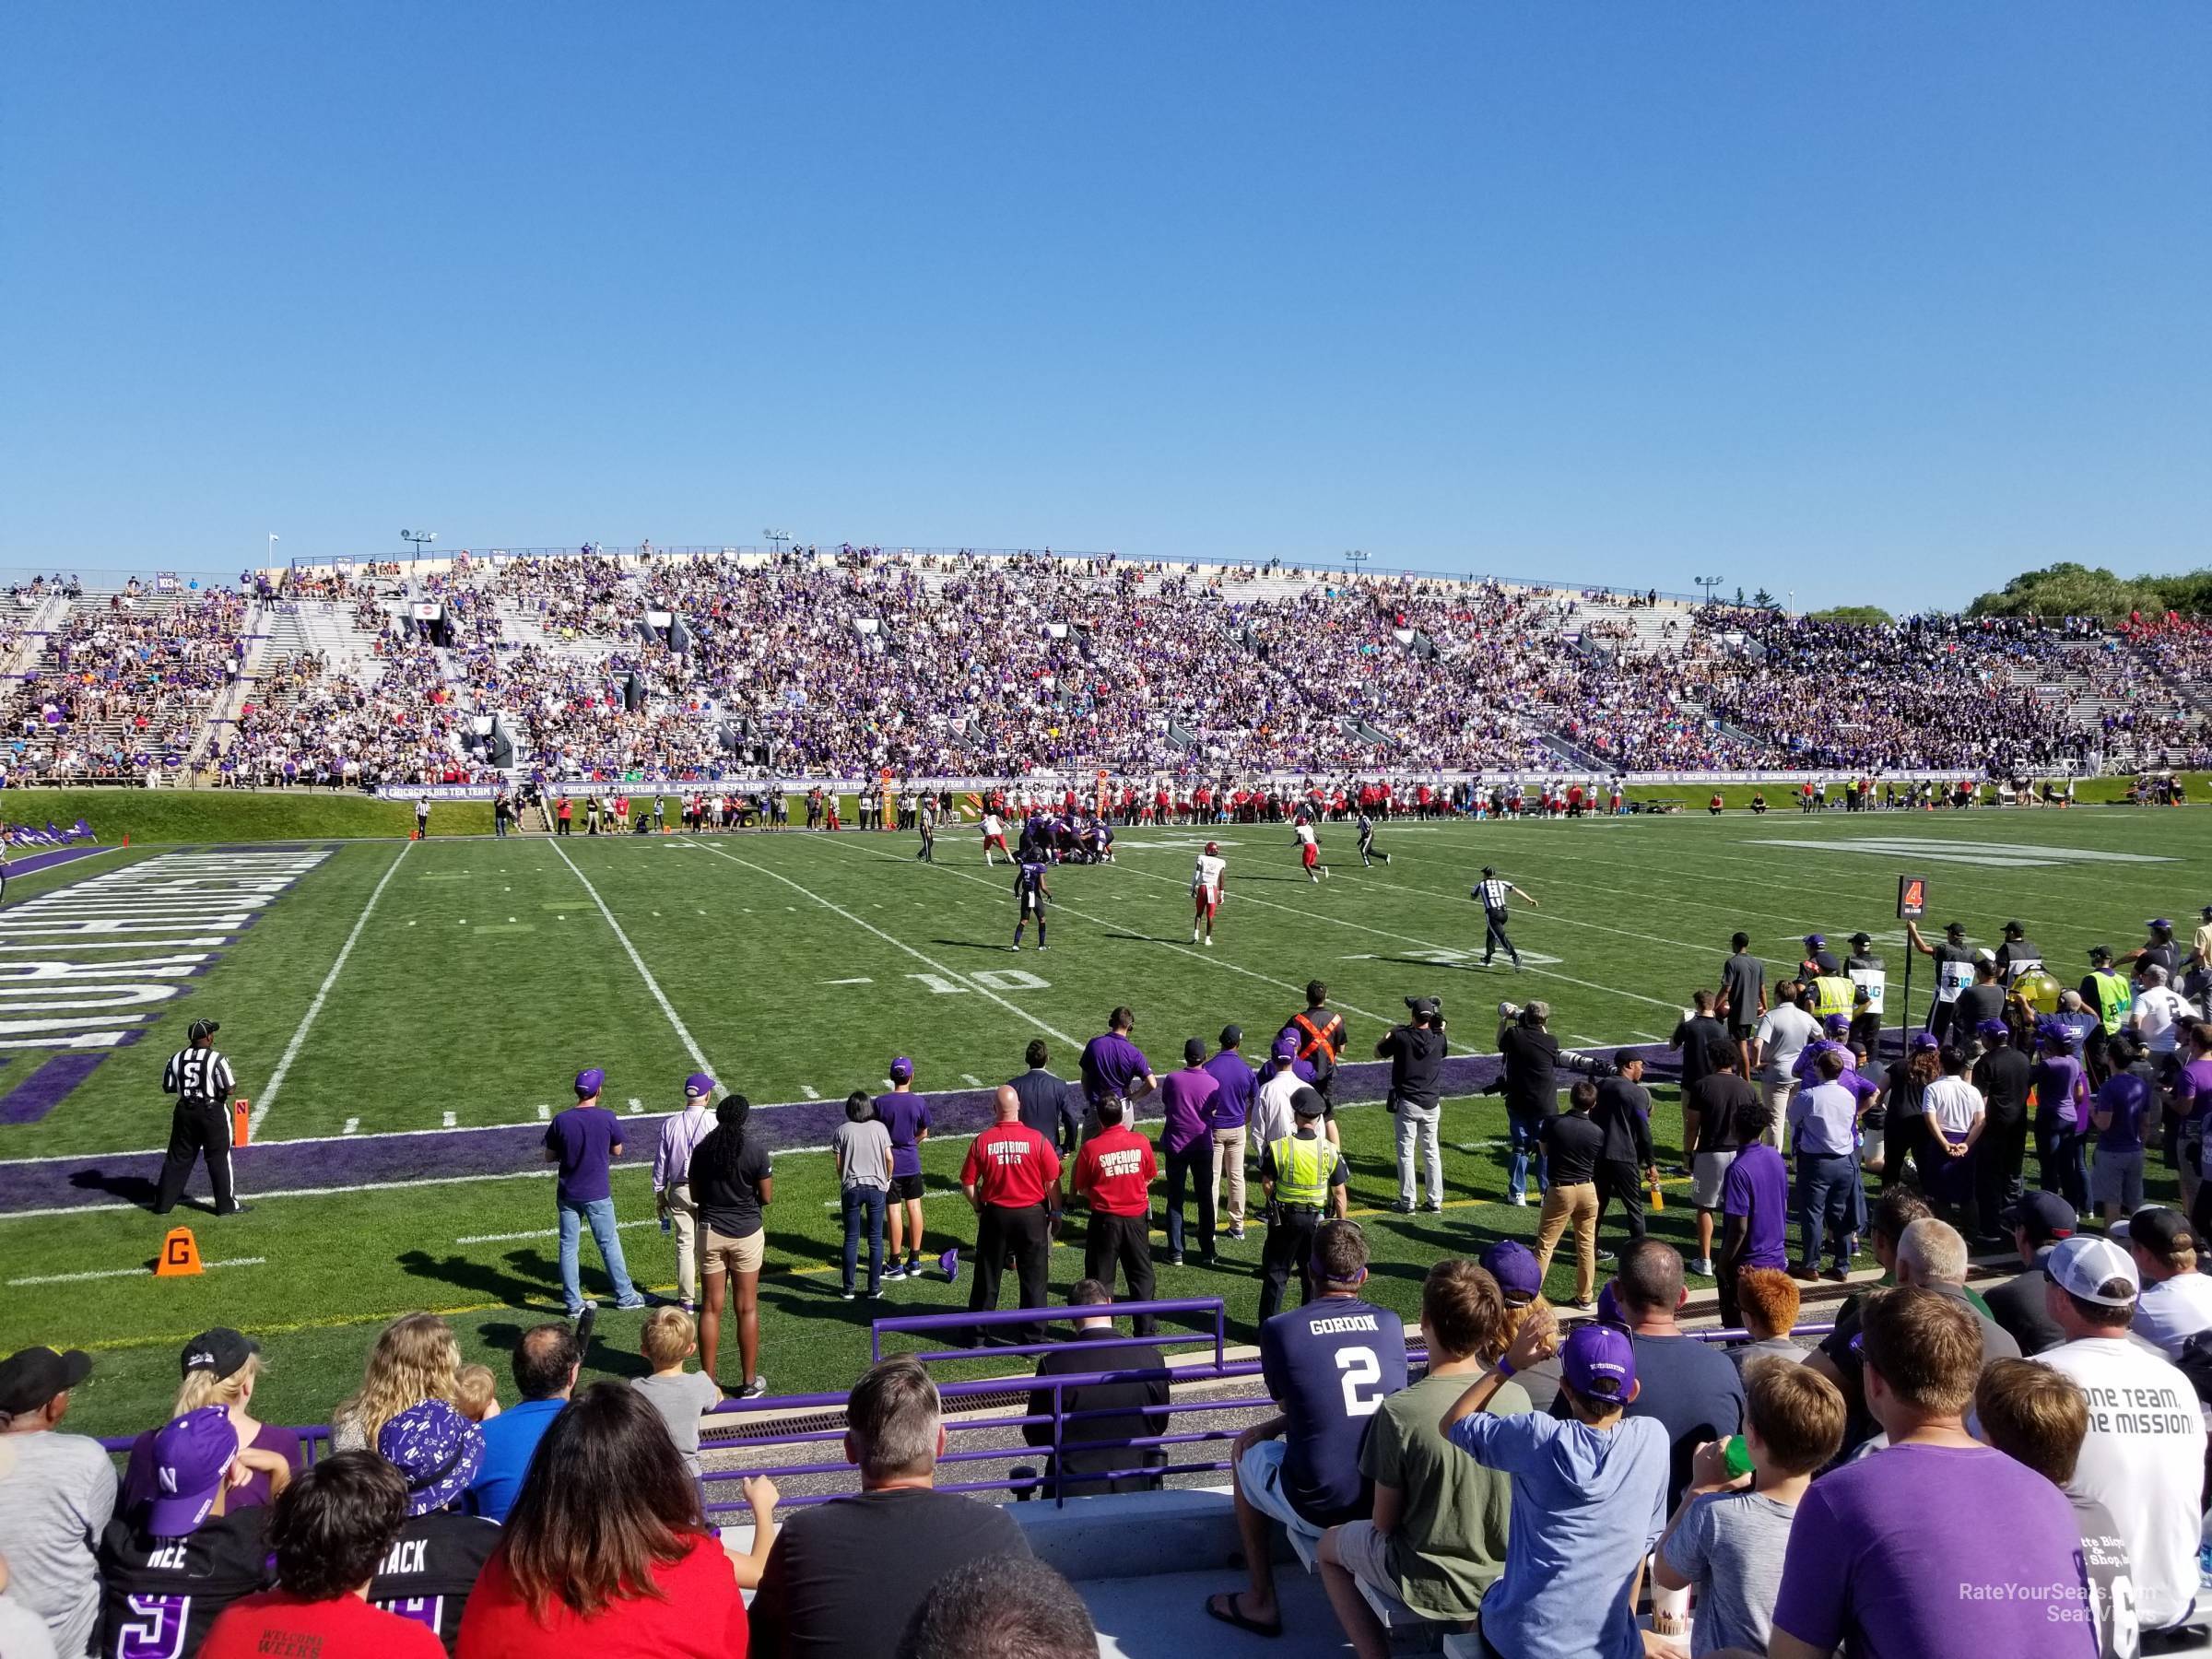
[1114, 1067]
[1186, 1147]
[906, 1115]
[584, 1140]
[1230, 1111]
[1755, 1205]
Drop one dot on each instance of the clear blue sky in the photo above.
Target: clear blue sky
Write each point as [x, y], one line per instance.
[1869, 301]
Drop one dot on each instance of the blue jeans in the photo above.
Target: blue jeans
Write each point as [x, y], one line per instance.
[1825, 1189]
[864, 1207]
[1526, 1135]
[600, 1214]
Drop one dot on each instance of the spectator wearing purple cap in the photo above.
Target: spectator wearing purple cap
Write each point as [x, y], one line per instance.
[58, 1494]
[1271, 1114]
[1521, 1281]
[188, 1551]
[680, 1137]
[441, 1551]
[905, 1115]
[1589, 1497]
[583, 1141]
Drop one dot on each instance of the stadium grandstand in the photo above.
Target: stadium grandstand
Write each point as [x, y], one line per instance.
[849, 663]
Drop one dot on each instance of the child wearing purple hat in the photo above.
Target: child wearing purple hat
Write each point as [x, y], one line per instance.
[435, 1561]
[186, 1553]
[1589, 1497]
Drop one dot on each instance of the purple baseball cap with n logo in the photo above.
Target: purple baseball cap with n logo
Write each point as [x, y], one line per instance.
[1599, 1363]
[590, 1081]
[190, 1456]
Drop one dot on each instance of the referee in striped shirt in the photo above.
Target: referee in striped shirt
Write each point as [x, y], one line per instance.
[200, 1079]
[1493, 892]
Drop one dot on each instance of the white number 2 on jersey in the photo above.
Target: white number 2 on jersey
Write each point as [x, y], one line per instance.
[1362, 1381]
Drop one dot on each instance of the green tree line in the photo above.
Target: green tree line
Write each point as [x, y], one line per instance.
[2077, 590]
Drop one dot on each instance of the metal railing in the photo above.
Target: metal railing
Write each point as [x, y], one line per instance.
[1055, 1478]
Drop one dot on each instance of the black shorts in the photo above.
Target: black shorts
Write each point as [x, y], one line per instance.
[905, 1186]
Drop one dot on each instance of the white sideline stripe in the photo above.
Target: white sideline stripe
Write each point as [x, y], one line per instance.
[1212, 961]
[108, 1273]
[307, 1021]
[638, 962]
[984, 991]
[542, 1232]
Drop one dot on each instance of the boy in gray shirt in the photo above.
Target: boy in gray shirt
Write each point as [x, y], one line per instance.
[1729, 1534]
[863, 1147]
[680, 1396]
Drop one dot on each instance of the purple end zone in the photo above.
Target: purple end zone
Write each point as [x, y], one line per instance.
[58, 855]
[340, 1161]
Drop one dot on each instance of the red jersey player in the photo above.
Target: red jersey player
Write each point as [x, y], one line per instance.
[1206, 891]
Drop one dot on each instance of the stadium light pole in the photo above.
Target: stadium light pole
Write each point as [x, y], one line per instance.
[777, 540]
[272, 549]
[1357, 559]
[420, 539]
[1709, 583]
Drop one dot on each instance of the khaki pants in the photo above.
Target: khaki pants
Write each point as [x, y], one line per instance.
[1778, 1096]
[683, 1221]
[1577, 1205]
[1228, 1165]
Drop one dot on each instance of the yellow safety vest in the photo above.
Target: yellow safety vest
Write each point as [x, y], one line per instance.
[1831, 994]
[2114, 998]
[1302, 1168]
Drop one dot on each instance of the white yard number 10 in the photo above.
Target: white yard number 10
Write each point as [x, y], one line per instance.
[1362, 1381]
[991, 979]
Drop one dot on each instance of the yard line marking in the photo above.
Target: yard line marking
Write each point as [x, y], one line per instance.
[108, 1273]
[1014, 1008]
[972, 1079]
[638, 962]
[1182, 950]
[808, 1090]
[307, 1021]
[544, 1112]
[452, 1119]
[849, 982]
[637, 1106]
[1648, 1036]
[351, 1125]
[1583, 1042]
[542, 1232]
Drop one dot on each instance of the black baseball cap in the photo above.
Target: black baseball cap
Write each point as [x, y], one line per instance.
[2100, 953]
[202, 1028]
[1955, 927]
[2163, 1232]
[2014, 927]
[220, 1352]
[1194, 1050]
[31, 1378]
[1424, 1007]
[1862, 938]
[2045, 1216]
[1231, 1035]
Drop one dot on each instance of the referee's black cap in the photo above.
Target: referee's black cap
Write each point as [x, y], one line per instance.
[202, 1029]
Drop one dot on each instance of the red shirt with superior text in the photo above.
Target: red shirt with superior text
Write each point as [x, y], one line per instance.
[1115, 1169]
[1011, 1165]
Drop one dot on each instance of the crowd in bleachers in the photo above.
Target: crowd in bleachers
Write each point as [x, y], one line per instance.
[853, 661]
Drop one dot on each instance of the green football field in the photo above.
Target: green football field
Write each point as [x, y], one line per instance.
[402, 1015]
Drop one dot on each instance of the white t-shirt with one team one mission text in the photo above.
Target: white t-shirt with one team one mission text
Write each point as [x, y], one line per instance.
[2144, 1460]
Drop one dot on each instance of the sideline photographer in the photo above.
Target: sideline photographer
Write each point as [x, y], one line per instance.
[1531, 1087]
[1415, 1053]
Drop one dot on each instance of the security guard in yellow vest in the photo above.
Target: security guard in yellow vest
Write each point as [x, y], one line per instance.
[1832, 993]
[2112, 997]
[1303, 1176]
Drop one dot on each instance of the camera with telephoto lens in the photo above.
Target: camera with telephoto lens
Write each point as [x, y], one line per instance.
[1509, 1010]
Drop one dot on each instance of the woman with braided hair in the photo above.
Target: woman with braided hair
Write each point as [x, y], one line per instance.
[731, 1184]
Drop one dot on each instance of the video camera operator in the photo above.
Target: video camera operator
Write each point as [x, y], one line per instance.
[1531, 1087]
[1415, 1053]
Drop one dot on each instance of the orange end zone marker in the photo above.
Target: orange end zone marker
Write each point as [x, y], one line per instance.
[179, 1255]
[242, 1123]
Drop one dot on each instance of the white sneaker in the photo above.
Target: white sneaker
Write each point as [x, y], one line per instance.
[1194, 935]
[1209, 941]
[1702, 1267]
[1518, 1200]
